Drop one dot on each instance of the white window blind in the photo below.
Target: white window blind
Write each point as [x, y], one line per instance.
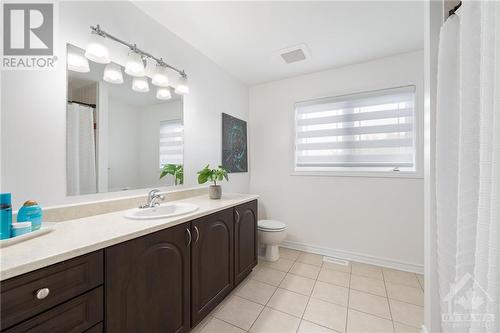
[372, 131]
[171, 142]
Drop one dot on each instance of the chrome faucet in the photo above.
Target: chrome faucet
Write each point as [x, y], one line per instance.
[154, 198]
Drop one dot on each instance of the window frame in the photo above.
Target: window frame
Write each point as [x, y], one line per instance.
[418, 132]
[181, 121]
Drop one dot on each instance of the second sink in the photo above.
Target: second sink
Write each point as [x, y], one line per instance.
[162, 211]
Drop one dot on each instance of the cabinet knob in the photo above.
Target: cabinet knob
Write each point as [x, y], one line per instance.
[42, 293]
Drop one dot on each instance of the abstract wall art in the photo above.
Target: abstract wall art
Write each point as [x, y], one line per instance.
[234, 144]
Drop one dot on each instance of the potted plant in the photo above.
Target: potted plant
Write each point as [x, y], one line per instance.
[213, 175]
[176, 170]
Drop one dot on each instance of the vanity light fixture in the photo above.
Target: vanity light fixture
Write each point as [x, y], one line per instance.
[76, 61]
[140, 84]
[182, 87]
[163, 93]
[160, 76]
[113, 73]
[96, 51]
[134, 65]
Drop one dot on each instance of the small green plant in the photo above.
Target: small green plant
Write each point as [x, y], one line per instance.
[176, 170]
[213, 175]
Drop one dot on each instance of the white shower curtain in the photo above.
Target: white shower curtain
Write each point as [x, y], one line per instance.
[80, 152]
[468, 169]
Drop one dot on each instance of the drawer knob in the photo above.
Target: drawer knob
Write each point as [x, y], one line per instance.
[42, 293]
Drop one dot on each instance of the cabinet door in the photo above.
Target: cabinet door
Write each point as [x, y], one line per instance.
[245, 240]
[211, 262]
[147, 283]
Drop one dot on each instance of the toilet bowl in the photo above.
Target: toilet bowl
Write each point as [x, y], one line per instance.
[271, 234]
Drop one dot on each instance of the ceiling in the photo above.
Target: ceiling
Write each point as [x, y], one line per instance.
[244, 37]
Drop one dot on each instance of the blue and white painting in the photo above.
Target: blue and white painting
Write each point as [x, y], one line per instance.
[234, 144]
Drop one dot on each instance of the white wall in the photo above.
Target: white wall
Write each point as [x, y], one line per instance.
[377, 219]
[33, 105]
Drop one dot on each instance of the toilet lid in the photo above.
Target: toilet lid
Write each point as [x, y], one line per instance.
[271, 225]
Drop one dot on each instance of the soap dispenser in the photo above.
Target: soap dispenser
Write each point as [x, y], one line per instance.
[5, 215]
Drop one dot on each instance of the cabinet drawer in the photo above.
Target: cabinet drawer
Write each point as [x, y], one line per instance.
[66, 280]
[75, 316]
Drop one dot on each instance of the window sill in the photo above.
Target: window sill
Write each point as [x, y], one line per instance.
[365, 174]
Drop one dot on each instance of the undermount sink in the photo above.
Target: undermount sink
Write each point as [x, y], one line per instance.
[162, 211]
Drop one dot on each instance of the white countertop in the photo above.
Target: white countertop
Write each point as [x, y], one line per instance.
[74, 238]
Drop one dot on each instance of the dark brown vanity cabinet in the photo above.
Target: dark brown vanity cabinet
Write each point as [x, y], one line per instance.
[245, 240]
[166, 281]
[211, 262]
[148, 283]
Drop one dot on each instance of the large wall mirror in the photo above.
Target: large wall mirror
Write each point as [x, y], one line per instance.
[119, 135]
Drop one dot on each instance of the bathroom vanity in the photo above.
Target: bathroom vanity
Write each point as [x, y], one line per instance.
[138, 276]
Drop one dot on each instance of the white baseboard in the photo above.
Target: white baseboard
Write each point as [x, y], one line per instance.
[384, 262]
[424, 329]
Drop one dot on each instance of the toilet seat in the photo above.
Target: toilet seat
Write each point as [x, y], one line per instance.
[271, 225]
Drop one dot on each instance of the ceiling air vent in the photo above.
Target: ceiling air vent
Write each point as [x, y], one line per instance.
[294, 53]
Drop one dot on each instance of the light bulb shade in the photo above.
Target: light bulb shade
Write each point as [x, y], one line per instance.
[113, 73]
[160, 76]
[96, 50]
[76, 61]
[163, 93]
[182, 87]
[140, 84]
[134, 65]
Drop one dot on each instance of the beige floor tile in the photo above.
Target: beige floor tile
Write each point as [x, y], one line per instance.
[420, 279]
[239, 312]
[326, 314]
[289, 302]
[289, 253]
[338, 267]
[308, 327]
[256, 291]
[254, 271]
[408, 314]
[402, 328]
[281, 264]
[202, 324]
[311, 259]
[334, 277]
[368, 303]
[400, 277]
[269, 275]
[305, 270]
[272, 321]
[298, 284]
[406, 294]
[218, 326]
[359, 322]
[368, 285]
[331, 293]
[371, 271]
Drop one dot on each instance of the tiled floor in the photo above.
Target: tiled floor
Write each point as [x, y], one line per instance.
[300, 293]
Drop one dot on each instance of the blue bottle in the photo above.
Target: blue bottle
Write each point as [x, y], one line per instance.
[5, 215]
[30, 212]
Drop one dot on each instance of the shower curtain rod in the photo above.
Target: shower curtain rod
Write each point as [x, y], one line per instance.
[81, 103]
[452, 11]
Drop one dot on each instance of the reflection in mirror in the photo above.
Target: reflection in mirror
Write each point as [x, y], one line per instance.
[117, 137]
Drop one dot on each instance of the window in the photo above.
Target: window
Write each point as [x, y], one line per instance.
[370, 132]
[171, 142]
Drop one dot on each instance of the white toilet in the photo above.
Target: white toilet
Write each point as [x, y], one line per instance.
[271, 234]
